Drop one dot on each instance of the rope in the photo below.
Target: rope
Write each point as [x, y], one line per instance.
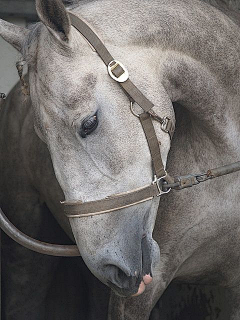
[24, 85]
[182, 182]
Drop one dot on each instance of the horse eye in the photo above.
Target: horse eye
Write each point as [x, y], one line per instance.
[88, 126]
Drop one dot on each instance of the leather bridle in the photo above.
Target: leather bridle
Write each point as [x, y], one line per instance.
[118, 72]
[162, 183]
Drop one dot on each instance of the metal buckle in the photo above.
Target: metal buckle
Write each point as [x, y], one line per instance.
[3, 96]
[113, 65]
[164, 124]
[132, 110]
[159, 185]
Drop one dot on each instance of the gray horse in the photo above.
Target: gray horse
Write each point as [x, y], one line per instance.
[184, 55]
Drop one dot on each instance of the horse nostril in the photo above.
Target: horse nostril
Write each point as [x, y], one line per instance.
[121, 276]
[116, 275]
[122, 279]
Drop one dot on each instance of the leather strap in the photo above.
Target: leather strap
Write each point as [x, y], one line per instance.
[111, 203]
[153, 143]
[36, 245]
[134, 93]
[189, 180]
[125, 200]
[91, 37]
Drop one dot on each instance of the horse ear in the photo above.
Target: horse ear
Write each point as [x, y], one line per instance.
[13, 34]
[54, 15]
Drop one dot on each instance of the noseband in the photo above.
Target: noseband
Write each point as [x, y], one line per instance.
[118, 72]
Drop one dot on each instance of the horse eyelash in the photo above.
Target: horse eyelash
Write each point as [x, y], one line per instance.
[74, 120]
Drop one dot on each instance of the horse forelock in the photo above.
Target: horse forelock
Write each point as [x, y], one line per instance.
[229, 7]
[32, 37]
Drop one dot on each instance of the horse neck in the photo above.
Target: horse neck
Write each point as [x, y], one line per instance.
[207, 133]
[206, 106]
[207, 136]
[230, 8]
[196, 147]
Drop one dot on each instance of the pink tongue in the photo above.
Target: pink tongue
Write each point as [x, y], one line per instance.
[147, 279]
[140, 290]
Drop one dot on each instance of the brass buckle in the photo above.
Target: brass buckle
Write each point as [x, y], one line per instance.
[158, 182]
[113, 65]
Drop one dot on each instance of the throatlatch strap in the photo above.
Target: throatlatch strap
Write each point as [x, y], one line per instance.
[153, 143]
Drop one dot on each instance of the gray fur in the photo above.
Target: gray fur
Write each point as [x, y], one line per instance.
[53, 14]
[182, 52]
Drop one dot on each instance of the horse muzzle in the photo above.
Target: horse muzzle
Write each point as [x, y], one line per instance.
[128, 283]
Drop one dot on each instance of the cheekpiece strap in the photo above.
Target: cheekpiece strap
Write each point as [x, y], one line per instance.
[153, 143]
[119, 73]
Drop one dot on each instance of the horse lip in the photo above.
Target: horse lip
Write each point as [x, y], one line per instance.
[122, 292]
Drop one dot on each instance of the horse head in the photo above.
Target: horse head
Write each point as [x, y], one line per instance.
[97, 146]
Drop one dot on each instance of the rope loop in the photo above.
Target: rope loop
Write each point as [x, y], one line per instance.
[24, 86]
[3, 96]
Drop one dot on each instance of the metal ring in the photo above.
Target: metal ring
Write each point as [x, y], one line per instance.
[158, 182]
[133, 112]
[3, 96]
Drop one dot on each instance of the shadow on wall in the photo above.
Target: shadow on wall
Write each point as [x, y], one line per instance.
[192, 302]
[76, 294]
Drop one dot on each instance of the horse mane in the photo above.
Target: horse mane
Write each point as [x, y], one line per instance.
[30, 39]
[228, 4]
[230, 7]
[70, 2]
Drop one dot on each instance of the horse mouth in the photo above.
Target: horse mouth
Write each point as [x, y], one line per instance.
[137, 290]
[125, 292]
